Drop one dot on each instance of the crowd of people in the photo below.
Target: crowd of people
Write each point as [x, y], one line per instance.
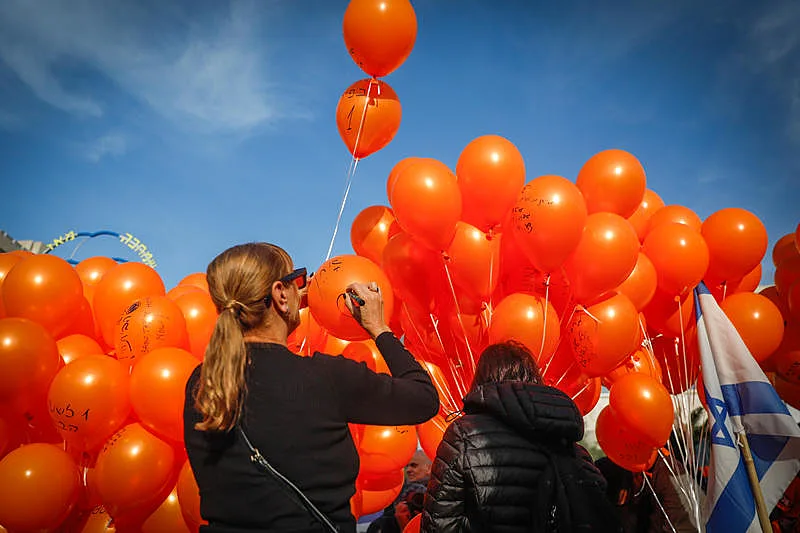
[268, 439]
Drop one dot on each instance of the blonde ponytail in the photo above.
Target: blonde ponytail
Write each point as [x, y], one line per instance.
[239, 280]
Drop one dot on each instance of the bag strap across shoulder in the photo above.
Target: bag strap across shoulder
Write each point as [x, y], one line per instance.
[292, 490]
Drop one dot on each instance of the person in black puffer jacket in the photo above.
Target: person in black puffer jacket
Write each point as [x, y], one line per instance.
[500, 465]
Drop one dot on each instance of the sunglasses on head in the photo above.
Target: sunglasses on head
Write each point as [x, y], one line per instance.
[297, 276]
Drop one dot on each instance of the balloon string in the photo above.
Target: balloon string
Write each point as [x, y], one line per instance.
[658, 501]
[560, 337]
[544, 317]
[352, 169]
[564, 375]
[450, 363]
[460, 320]
[685, 414]
[588, 383]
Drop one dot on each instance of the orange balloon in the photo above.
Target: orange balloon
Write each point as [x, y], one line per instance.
[366, 352]
[644, 406]
[118, 289]
[371, 230]
[674, 214]
[416, 272]
[326, 294]
[29, 360]
[640, 286]
[786, 275]
[527, 319]
[379, 34]
[737, 241]
[640, 218]
[668, 314]
[189, 497]
[605, 256]
[179, 290]
[82, 322]
[721, 289]
[474, 261]
[39, 486]
[427, 202]
[624, 448]
[7, 262]
[92, 269]
[132, 467]
[491, 173]
[793, 300]
[200, 315]
[679, 360]
[158, 382]
[788, 392]
[431, 434]
[167, 517]
[397, 169]
[787, 363]
[88, 401]
[414, 524]
[72, 347]
[588, 395]
[785, 248]
[680, 256]
[604, 334]
[387, 489]
[45, 289]
[547, 221]
[368, 116]
[386, 449]
[612, 181]
[197, 279]
[641, 361]
[758, 321]
[150, 323]
[771, 293]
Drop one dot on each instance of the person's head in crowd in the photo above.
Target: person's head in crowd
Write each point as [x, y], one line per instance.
[506, 361]
[418, 469]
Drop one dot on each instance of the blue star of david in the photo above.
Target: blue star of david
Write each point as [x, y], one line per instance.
[719, 432]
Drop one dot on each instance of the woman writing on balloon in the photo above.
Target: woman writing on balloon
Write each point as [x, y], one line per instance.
[252, 398]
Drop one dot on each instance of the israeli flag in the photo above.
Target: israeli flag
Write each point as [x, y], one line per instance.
[740, 399]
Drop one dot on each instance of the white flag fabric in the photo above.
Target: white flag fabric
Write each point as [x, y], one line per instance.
[740, 398]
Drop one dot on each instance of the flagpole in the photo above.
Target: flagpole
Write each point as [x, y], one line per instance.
[761, 507]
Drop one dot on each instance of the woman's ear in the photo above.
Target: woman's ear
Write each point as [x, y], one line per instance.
[280, 297]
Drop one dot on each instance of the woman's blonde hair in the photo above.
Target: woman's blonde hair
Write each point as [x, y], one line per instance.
[239, 281]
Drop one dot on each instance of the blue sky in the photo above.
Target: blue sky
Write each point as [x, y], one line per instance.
[199, 124]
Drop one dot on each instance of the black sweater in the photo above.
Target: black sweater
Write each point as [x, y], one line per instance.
[296, 413]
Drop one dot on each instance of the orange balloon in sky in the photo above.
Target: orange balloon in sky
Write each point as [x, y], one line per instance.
[7, 261]
[640, 285]
[640, 218]
[605, 256]
[167, 517]
[189, 497]
[426, 202]
[737, 241]
[680, 256]
[395, 173]
[673, 213]
[491, 173]
[643, 405]
[43, 288]
[150, 323]
[784, 249]
[371, 230]
[758, 321]
[28, 361]
[547, 221]
[118, 289]
[386, 449]
[200, 315]
[197, 279]
[92, 269]
[474, 261]
[368, 116]
[379, 34]
[72, 347]
[613, 181]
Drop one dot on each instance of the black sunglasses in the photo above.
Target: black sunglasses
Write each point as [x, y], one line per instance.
[297, 276]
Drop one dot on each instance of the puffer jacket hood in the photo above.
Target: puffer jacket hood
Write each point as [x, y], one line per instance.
[537, 412]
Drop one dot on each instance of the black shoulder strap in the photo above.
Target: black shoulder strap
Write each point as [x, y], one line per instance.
[291, 489]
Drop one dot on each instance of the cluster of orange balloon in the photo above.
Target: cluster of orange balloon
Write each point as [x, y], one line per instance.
[379, 34]
[594, 276]
[94, 360]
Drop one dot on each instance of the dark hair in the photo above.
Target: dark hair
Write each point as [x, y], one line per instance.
[506, 361]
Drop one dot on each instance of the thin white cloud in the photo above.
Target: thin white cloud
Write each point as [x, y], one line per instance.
[212, 77]
[112, 144]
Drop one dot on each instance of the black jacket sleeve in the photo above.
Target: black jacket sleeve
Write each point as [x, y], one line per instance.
[406, 397]
[444, 510]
